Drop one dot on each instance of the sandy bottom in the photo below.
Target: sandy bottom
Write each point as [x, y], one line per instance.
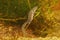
[14, 33]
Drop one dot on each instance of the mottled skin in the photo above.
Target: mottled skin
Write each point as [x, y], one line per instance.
[29, 20]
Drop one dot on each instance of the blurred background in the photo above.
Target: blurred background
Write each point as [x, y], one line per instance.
[13, 13]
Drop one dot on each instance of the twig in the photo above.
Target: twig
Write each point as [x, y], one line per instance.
[15, 19]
